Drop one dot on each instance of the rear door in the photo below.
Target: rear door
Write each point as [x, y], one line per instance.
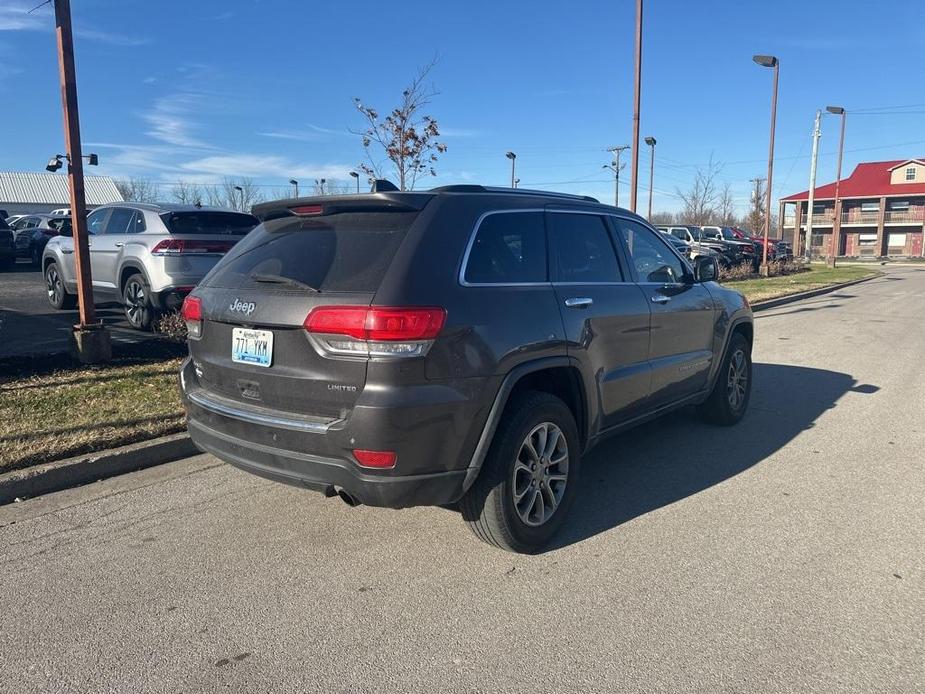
[106, 245]
[268, 284]
[605, 313]
[681, 343]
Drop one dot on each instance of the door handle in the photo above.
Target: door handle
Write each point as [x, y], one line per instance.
[579, 302]
[119, 244]
[660, 299]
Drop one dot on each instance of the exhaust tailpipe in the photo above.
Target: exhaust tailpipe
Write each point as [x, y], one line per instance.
[346, 497]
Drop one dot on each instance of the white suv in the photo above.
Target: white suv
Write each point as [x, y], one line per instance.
[147, 257]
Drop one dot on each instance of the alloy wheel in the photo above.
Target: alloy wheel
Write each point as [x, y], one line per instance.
[53, 285]
[136, 303]
[737, 382]
[540, 474]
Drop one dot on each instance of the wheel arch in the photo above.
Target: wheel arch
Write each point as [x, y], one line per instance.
[558, 376]
[128, 269]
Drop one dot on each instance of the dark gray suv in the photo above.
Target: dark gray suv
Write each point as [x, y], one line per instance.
[462, 345]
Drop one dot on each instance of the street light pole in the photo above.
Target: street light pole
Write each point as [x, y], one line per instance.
[355, 175]
[91, 340]
[634, 173]
[651, 142]
[836, 221]
[513, 158]
[295, 184]
[772, 62]
[807, 250]
[241, 191]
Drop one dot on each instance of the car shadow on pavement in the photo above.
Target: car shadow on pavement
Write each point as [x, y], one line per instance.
[678, 455]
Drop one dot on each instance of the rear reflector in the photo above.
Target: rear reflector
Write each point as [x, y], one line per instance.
[377, 459]
[192, 316]
[307, 209]
[377, 323]
[178, 246]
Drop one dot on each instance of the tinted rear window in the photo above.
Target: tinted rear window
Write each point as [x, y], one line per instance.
[508, 248]
[208, 222]
[347, 252]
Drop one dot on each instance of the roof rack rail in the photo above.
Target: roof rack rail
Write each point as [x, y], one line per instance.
[471, 188]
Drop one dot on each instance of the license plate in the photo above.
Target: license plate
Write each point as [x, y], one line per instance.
[252, 346]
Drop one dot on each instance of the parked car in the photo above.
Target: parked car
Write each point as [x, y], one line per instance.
[145, 256]
[742, 248]
[31, 233]
[692, 250]
[12, 218]
[691, 234]
[7, 247]
[464, 344]
[62, 212]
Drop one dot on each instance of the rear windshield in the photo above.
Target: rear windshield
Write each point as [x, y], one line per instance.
[347, 252]
[208, 222]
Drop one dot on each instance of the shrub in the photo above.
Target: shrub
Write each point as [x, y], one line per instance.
[742, 271]
[172, 326]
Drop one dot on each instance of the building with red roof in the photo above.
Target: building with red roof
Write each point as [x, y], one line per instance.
[880, 212]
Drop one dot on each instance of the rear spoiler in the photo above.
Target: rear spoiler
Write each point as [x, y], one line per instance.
[320, 205]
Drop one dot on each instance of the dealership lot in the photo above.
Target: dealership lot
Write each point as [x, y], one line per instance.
[784, 554]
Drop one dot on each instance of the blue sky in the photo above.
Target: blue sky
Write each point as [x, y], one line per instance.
[197, 90]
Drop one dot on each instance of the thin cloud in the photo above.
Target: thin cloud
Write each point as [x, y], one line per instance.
[17, 15]
[111, 39]
[263, 166]
[170, 120]
[312, 133]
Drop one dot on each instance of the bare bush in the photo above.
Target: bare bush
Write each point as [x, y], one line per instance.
[172, 326]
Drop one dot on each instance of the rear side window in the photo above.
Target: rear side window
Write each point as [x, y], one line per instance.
[508, 248]
[584, 252]
[209, 222]
[346, 252]
[119, 220]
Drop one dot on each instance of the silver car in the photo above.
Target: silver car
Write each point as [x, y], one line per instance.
[147, 257]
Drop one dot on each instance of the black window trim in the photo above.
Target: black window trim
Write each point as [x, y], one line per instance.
[461, 277]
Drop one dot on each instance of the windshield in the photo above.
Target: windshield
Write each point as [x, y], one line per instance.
[695, 233]
[209, 222]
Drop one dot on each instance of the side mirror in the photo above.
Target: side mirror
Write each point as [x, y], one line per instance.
[706, 269]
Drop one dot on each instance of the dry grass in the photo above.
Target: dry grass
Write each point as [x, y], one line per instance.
[53, 415]
[815, 277]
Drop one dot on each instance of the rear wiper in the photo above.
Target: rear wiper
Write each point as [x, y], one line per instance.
[279, 279]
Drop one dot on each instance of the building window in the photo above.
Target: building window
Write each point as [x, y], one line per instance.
[870, 207]
[867, 239]
[910, 173]
[899, 205]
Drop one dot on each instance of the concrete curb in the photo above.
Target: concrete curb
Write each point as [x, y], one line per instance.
[90, 467]
[790, 298]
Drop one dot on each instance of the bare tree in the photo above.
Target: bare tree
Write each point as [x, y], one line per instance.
[137, 189]
[239, 193]
[755, 218]
[187, 193]
[663, 218]
[406, 137]
[726, 207]
[700, 200]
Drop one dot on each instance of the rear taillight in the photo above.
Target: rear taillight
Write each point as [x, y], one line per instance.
[376, 459]
[178, 246]
[379, 331]
[307, 210]
[192, 316]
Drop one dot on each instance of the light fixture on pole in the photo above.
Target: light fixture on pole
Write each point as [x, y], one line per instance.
[651, 142]
[354, 174]
[836, 222]
[241, 191]
[512, 157]
[54, 164]
[769, 61]
[295, 184]
[320, 183]
[516, 182]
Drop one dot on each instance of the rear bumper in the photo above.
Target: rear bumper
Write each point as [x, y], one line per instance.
[434, 440]
[327, 475]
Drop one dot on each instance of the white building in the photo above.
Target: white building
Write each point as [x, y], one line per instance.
[29, 193]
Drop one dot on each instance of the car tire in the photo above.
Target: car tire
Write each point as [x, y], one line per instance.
[58, 295]
[136, 300]
[729, 398]
[508, 504]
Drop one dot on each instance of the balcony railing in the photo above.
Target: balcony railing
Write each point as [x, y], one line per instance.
[908, 216]
[862, 218]
[865, 217]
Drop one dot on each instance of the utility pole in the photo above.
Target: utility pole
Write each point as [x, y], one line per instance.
[637, 82]
[812, 186]
[90, 340]
[616, 167]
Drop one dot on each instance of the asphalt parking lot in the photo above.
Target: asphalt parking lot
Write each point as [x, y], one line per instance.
[784, 555]
[29, 325]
